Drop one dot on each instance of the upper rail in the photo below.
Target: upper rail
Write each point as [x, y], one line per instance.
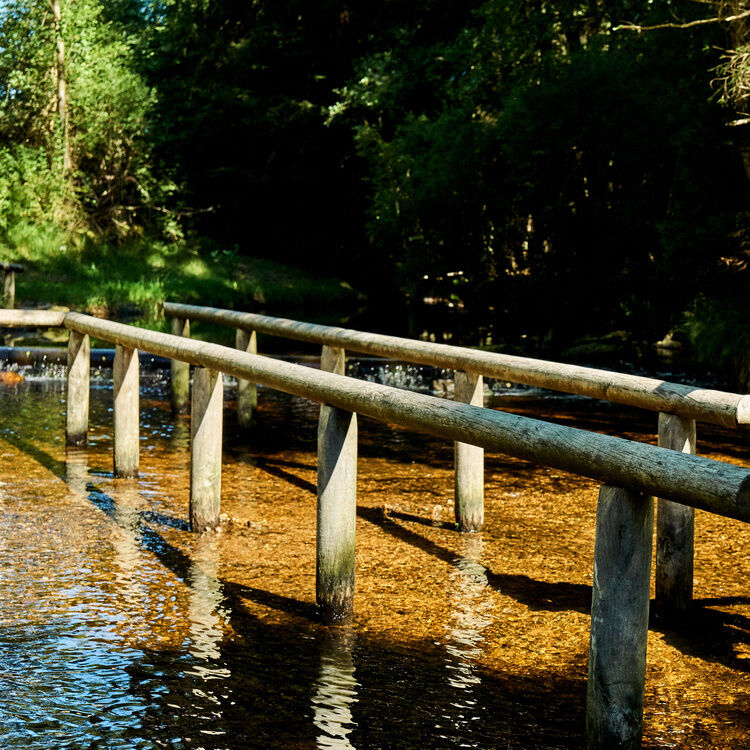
[692, 480]
[40, 318]
[705, 405]
[15, 267]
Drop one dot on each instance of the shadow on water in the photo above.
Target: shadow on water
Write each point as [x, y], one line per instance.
[537, 595]
[707, 633]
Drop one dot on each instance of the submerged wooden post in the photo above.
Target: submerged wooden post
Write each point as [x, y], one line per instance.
[205, 448]
[180, 371]
[337, 501]
[77, 413]
[126, 412]
[675, 529]
[247, 393]
[469, 459]
[619, 619]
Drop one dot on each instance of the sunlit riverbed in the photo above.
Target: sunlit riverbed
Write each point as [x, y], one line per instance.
[121, 629]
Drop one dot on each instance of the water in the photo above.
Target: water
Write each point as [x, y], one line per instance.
[121, 629]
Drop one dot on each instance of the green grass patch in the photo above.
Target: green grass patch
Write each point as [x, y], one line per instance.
[130, 282]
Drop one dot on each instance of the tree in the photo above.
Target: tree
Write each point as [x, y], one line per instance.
[535, 160]
[74, 114]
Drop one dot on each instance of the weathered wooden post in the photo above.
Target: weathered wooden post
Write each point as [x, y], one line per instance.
[619, 619]
[469, 459]
[675, 529]
[180, 371]
[337, 501]
[206, 420]
[126, 411]
[9, 289]
[9, 283]
[247, 393]
[77, 413]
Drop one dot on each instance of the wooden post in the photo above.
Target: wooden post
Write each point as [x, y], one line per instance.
[126, 412]
[180, 371]
[205, 448]
[675, 529]
[619, 619]
[469, 459]
[337, 502]
[247, 393]
[77, 414]
[9, 288]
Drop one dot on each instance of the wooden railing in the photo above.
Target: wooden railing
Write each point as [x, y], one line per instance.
[679, 407]
[632, 473]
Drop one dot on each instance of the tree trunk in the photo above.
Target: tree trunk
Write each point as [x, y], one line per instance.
[62, 87]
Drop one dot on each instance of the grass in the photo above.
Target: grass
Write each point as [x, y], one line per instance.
[130, 282]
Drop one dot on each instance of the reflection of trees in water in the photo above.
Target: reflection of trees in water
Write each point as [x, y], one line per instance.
[336, 690]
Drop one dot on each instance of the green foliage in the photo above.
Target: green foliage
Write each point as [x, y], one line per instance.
[109, 105]
[107, 101]
[521, 164]
[718, 329]
[30, 193]
[548, 163]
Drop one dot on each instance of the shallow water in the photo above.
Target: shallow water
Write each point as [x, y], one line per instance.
[121, 629]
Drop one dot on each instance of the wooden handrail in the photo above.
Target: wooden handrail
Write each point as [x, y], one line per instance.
[692, 480]
[705, 405]
[32, 318]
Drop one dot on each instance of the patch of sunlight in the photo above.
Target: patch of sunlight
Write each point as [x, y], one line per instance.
[156, 260]
[196, 268]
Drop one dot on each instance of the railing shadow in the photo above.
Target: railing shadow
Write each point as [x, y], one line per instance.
[537, 595]
[706, 633]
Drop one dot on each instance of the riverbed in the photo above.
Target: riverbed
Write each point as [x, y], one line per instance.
[121, 629]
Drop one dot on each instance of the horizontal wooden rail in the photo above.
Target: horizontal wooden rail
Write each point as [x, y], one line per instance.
[704, 405]
[39, 318]
[692, 480]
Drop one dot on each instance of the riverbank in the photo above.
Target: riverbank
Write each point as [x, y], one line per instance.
[130, 282]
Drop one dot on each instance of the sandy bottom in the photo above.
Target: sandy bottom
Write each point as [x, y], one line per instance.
[459, 640]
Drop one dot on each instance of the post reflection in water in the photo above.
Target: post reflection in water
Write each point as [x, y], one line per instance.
[180, 436]
[126, 545]
[335, 690]
[470, 616]
[206, 610]
[77, 472]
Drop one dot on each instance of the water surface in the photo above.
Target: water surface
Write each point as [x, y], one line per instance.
[121, 629]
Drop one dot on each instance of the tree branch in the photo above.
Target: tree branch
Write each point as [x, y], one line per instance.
[687, 25]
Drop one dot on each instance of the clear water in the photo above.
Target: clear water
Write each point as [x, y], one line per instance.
[121, 629]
